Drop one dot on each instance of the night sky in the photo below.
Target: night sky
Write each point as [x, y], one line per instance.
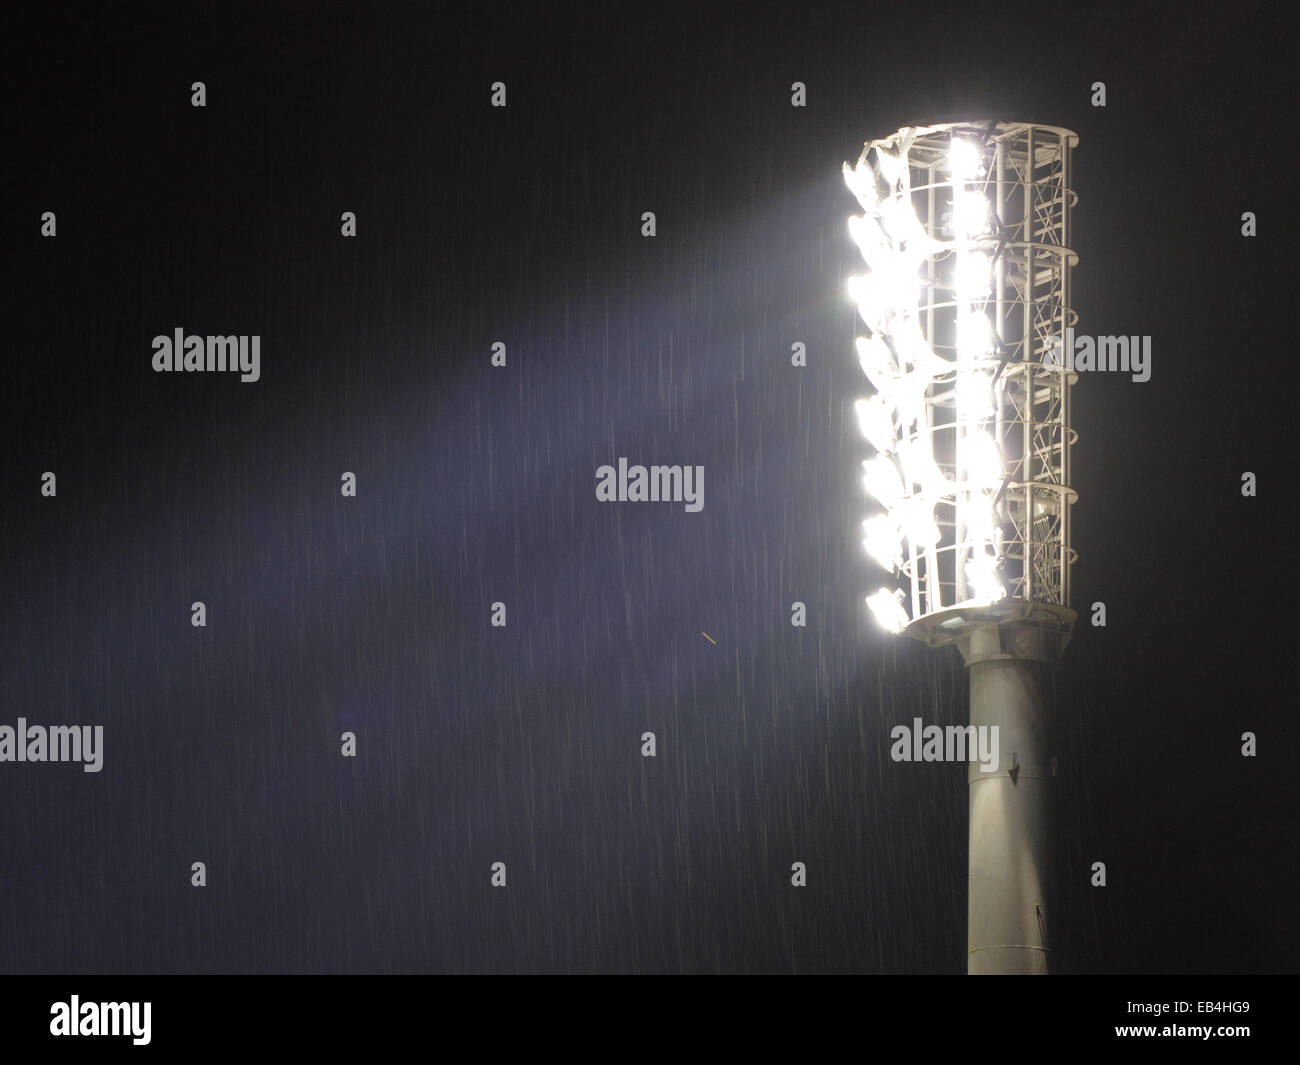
[475, 484]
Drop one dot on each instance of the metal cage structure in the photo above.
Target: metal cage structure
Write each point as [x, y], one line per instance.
[965, 232]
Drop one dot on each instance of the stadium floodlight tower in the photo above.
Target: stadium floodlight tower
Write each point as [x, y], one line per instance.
[966, 234]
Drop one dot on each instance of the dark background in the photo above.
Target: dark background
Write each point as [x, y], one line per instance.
[476, 484]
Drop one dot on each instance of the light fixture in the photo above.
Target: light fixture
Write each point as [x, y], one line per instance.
[965, 231]
[880, 477]
[888, 609]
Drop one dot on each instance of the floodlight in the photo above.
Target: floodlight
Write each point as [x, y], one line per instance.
[965, 230]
